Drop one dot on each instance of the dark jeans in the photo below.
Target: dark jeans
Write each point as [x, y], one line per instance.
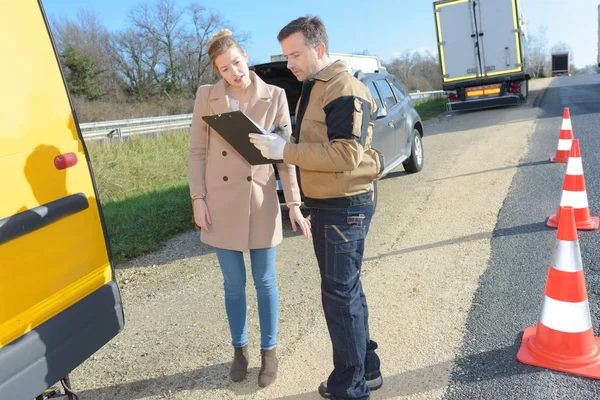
[339, 241]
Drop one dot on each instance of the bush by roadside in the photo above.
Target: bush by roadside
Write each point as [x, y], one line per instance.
[104, 110]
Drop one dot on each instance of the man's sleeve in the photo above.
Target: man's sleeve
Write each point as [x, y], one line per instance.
[347, 117]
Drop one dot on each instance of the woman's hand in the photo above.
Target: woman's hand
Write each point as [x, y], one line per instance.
[201, 214]
[296, 217]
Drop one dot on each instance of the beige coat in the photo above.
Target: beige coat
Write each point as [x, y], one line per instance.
[241, 198]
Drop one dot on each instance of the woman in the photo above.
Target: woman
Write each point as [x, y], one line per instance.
[236, 204]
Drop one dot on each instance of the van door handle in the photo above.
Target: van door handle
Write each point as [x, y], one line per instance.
[391, 124]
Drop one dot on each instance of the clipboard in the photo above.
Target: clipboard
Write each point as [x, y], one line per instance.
[234, 127]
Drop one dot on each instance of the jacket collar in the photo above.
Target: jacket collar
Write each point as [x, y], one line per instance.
[332, 70]
[258, 103]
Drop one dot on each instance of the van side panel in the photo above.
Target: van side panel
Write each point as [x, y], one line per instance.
[59, 302]
[44, 355]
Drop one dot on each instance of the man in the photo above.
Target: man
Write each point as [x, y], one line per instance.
[331, 145]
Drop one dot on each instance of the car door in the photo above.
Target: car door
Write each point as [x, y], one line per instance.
[397, 120]
[384, 133]
[405, 105]
[59, 301]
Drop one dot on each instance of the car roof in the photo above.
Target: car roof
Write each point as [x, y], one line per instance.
[375, 75]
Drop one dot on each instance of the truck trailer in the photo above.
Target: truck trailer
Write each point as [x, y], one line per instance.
[560, 64]
[482, 49]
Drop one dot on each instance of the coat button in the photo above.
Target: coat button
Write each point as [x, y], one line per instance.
[225, 178]
[249, 179]
[224, 153]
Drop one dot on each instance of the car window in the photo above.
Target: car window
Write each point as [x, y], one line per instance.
[400, 96]
[386, 92]
[375, 94]
[396, 82]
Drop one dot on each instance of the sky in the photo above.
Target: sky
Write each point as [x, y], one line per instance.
[385, 28]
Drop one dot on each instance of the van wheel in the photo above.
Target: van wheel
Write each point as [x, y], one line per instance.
[414, 163]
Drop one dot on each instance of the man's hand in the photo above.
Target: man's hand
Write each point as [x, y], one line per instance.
[270, 146]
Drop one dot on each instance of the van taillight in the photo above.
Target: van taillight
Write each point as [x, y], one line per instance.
[65, 161]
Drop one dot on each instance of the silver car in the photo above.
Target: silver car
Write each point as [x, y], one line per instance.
[398, 130]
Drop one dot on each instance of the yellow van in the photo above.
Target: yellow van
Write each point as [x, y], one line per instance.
[59, 301]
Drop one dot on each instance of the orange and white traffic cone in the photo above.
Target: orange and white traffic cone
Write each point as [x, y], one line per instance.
[565, 139]
[574, 194]
[564, 339]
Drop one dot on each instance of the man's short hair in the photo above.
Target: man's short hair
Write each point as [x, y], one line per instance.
[311, 27]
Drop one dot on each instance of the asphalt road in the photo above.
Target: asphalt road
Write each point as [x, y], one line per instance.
[510, 293]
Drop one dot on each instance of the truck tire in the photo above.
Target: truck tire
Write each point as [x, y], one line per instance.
[414, 163]
[525, 91]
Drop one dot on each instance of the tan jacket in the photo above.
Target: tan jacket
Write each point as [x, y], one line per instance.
[241, 198]
[332, 140]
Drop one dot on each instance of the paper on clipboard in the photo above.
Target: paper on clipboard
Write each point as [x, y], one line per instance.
[234, 127]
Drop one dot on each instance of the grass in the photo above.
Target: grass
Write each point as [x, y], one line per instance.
[143, 188]
[137, 224]
[431, 108]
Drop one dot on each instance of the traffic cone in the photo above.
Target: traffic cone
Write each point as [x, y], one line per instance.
[563, 339]
[565, 138]
[574, 194]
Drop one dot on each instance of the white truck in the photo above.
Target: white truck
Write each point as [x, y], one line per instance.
[355, 62]
[482, 46]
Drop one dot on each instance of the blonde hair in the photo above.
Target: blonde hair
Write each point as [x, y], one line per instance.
[220, 43]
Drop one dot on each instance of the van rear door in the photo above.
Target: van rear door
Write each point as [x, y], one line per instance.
[59, 302]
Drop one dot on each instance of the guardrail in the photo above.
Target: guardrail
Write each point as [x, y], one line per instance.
[422, 96]
[137, 126]
[142, 126]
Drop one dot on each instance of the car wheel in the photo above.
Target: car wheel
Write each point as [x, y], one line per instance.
[414, 163]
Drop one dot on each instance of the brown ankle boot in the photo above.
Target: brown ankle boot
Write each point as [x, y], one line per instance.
[268, 367]
[239, 367]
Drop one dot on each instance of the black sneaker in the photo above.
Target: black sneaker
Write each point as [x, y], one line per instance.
[373, 384]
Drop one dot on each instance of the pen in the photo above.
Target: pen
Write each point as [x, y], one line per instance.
[278, 129]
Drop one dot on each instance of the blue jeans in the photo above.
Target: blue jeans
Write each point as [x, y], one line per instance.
[265, 281]
[339, 241]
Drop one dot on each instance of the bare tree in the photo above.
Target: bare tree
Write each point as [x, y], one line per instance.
[137, 63]
[195, 62]
[162, 25]
[196, 65]
[537, 51]
[417, 70]
[89, 38]
[162, 52]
